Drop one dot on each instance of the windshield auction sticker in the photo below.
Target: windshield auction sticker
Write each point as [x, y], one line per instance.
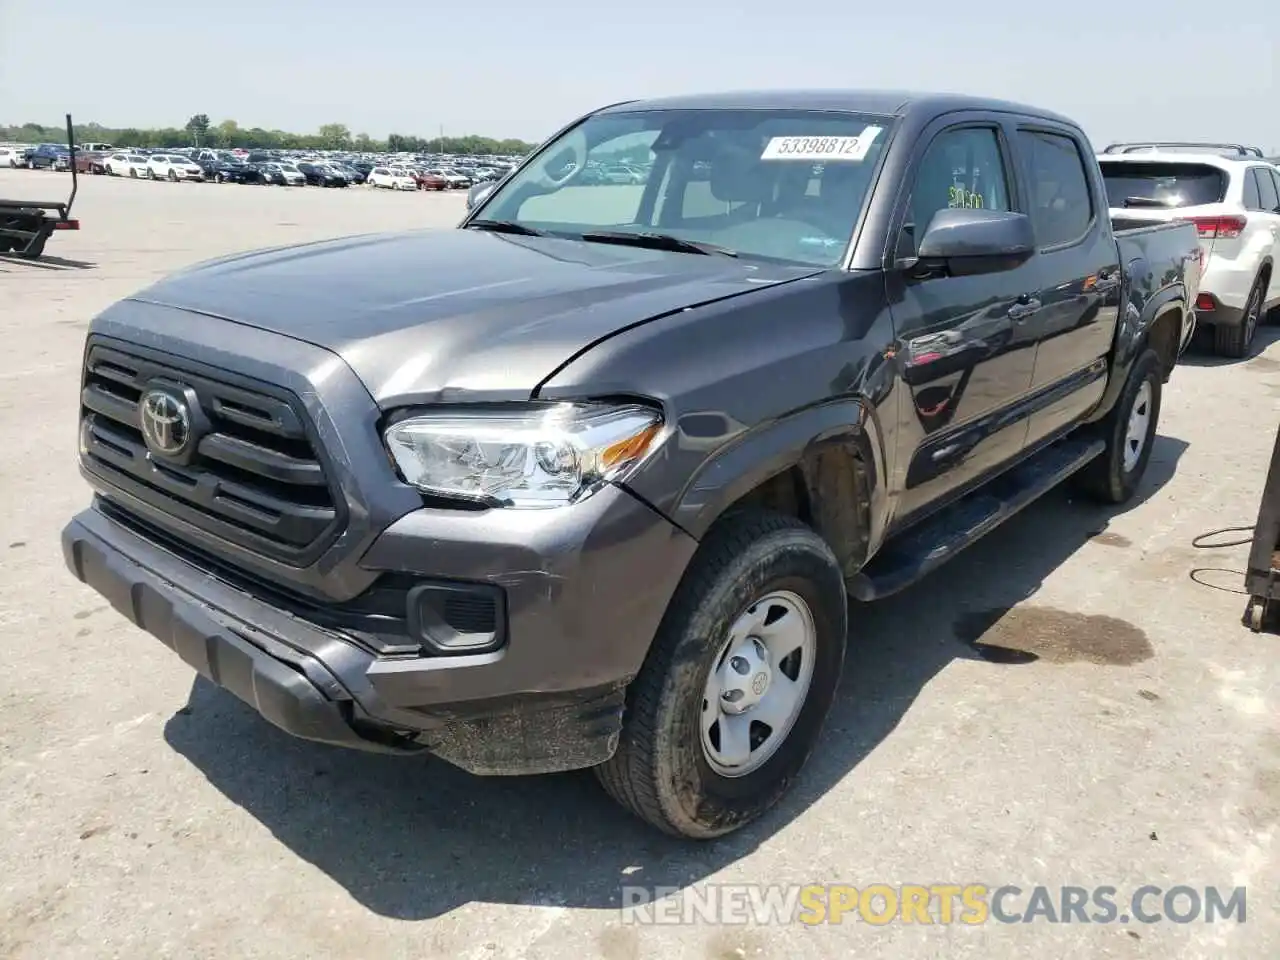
[853, 149]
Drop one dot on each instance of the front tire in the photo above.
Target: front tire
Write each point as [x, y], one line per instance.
[1129, 431]
[740, 678]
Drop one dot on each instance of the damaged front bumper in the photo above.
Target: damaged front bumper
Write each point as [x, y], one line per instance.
[582, 597]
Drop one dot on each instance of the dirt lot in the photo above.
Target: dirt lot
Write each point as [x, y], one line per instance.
[1134, 741]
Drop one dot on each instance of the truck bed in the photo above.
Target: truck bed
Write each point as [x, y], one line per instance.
[1167, 253]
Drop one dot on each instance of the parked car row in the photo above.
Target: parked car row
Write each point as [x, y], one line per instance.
[225, 166]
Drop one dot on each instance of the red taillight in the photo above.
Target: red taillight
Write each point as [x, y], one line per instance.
[1220, 228]
[1205, 302]
[67, 225]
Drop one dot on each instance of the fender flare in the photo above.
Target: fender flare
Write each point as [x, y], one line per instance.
[839, 450]
[1132, 328]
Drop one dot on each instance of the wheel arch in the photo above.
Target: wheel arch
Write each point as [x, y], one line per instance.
[824, 465]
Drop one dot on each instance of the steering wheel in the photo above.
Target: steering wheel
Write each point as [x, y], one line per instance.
[575, 144]
[823, 228]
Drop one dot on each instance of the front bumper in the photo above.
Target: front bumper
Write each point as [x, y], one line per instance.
[584, 597]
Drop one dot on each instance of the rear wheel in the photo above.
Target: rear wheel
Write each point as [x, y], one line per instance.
[1129, 431]
[741, 675]
[1236, 341]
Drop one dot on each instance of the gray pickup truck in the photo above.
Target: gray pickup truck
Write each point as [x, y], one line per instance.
[590, 480]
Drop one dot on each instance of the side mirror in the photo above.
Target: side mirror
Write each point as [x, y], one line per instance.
[478, 192]
[969, 241]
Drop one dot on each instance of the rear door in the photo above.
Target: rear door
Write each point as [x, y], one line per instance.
[1272, 175]
[1079, 276]
[964, 372]
[1268, 213]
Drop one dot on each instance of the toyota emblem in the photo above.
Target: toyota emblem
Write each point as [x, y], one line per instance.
[166, 422]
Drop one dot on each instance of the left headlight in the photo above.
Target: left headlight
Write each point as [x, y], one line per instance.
[532, 457]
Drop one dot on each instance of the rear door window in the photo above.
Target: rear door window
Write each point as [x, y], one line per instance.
[1061, 201]
[1162, 184]
[1267, 190]
[1252, 195]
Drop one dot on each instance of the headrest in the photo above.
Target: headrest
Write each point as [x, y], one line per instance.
[738, 176]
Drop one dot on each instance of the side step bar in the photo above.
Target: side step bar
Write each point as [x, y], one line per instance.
[939, 537]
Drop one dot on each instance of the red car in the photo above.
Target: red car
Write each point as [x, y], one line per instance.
[93, 162]
[430, 181]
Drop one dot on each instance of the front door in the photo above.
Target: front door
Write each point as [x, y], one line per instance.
[962, 365]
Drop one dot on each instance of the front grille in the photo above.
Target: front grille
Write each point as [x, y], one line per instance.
[254, 478]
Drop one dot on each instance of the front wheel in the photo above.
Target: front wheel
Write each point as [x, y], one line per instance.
[1129, 432]
[741, 675]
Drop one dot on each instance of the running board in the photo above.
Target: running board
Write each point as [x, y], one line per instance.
[921, 549]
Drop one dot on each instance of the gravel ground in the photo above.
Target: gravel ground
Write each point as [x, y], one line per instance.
[148, 815]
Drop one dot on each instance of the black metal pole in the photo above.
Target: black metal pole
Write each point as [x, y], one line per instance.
[75, 182]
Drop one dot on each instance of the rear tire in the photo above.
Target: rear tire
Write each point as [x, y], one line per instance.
[752, 565]
[1129, 431]
[1236, 342]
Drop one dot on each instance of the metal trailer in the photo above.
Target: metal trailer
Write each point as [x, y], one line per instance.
[26, 225]
[1262, 577]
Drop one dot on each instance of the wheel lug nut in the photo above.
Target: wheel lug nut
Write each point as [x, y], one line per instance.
[731, 696]
[739, 665]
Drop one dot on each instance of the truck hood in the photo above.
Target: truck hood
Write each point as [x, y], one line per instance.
[456, 315]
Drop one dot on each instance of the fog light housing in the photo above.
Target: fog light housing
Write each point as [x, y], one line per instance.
[454, 618]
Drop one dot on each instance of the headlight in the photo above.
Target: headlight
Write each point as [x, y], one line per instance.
[533, 457]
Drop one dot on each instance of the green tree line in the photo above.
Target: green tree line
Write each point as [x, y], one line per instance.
[198, 131]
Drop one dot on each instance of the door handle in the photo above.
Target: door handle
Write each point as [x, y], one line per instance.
[1025, 306]
[1106, 280]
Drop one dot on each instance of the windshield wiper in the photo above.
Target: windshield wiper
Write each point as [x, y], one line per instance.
[1144, 202]
[658, 241]
[506, 226]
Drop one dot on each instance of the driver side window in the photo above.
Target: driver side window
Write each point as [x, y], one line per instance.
[963, 167]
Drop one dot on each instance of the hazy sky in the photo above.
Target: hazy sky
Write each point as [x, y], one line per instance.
[1125, 69]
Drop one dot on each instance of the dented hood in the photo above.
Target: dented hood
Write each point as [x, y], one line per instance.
[456, 315]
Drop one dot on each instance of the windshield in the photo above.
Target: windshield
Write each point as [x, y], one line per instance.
[1167, 184]
[778, 184]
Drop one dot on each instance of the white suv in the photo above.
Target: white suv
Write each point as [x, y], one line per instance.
[391, 178]
[1232, 195]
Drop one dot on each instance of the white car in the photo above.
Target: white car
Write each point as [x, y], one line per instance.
[1233, 196]
[165, 166]
[126, 165]
[10, 158]
[391, 179]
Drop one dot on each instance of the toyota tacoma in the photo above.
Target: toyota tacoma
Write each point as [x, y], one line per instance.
[590, 480]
